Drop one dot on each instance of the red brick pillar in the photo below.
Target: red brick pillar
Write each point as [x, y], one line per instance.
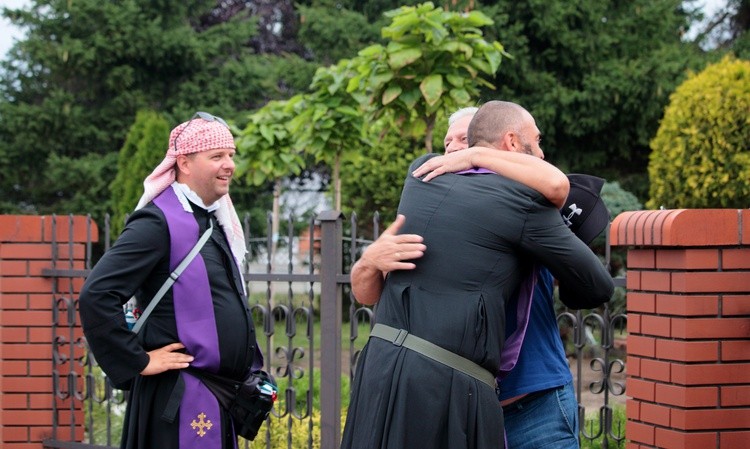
[31, 301]
[688, 301]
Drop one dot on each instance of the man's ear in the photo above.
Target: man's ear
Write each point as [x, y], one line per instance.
[509, 141]
[182, 165]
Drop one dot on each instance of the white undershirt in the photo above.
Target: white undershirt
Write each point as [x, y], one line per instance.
[185, 193]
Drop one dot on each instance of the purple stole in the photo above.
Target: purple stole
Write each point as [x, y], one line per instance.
[475, 170]
[512, 348]
[200, 417]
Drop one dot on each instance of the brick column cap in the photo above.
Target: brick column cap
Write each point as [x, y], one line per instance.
[38, 228]
[681, 227]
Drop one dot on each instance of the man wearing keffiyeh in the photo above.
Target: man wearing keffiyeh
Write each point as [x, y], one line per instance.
[185, 195]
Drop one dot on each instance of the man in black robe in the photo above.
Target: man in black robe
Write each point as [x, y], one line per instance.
[185, 195]
[481, 231]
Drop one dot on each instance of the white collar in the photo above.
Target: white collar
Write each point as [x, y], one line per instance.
[185, 193]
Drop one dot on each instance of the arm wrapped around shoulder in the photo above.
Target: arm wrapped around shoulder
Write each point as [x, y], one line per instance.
[598, 289]
[584, 281]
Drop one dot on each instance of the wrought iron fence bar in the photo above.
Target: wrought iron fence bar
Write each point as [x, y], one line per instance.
[285, 277]
[55, 322]
[311, 304]
[64, 273]
[73, 361]
[281, 277]
[330, 330]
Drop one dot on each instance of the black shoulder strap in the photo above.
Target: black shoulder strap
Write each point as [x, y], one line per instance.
[173, 277]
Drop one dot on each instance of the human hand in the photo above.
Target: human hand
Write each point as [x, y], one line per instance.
[166, 358]
[448, 163]
[388, 252]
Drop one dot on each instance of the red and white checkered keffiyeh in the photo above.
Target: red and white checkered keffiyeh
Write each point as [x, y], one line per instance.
[200, 135]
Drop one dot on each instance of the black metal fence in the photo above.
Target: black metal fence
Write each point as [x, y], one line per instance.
[311, 332]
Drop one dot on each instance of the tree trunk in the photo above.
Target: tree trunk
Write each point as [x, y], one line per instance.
[337, 180]
[430, 122]
[275, 218]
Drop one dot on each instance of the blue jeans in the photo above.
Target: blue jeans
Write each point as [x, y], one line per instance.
[547, 421]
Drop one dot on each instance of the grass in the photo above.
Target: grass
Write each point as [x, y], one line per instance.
[592, 427]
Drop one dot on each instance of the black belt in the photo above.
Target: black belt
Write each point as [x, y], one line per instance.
[522, 401]
[401, 337]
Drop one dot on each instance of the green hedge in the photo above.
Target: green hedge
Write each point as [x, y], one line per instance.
[701, 153]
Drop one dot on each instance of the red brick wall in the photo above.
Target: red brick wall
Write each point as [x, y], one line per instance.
[688, 366]
[28, 307]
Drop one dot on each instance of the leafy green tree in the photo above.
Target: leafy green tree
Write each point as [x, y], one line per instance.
[268, 152]
[379, 173]
[72, 88]
[266, 147]
[144, 149]
[434, 61]
[332, 33]
[700, 154]
[329, 121]
[595, 75]
[79, 182]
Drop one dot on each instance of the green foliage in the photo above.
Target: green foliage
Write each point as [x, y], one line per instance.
[701, 157]
[301, 431]
[434, 61]
[105, 417]
[408, 77]
[595, 75]
[278, 429]
[73, 86]
[385, 164]
[741, 46]
[329, 118]
[243, 84]
[144, 149]
[333, 33]
[77, 183]
[617, 200]
[373, 10]
[593, 426]
[329, 121]
[266, 148]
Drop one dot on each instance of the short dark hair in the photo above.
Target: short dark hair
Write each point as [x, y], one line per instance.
[493, 120]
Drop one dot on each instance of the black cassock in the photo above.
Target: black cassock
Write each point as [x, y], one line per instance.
[140, 258]
[481, 232]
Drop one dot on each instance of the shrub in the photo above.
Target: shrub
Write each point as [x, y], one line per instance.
[701, 153]
[284, 425]
[143, 150]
